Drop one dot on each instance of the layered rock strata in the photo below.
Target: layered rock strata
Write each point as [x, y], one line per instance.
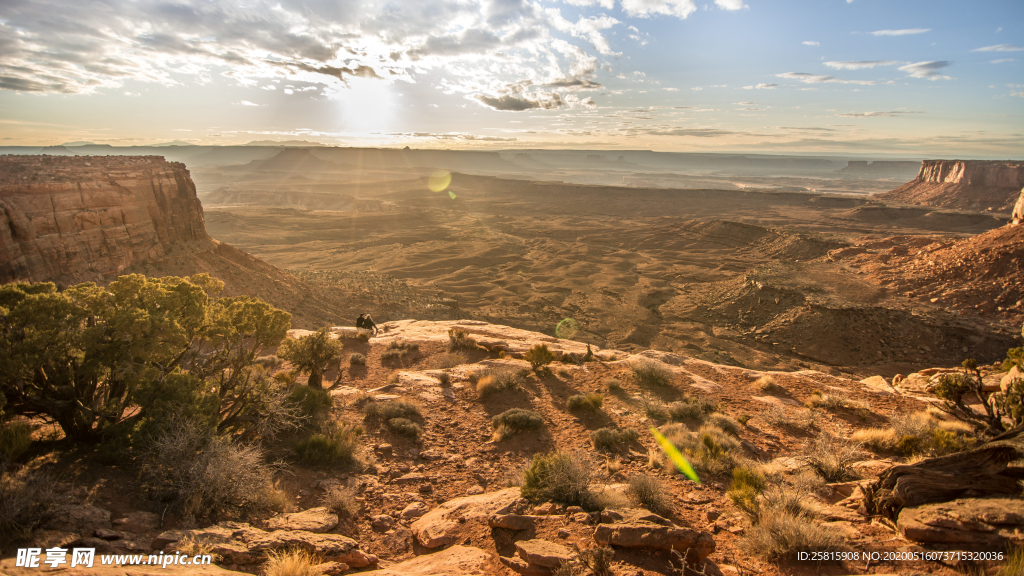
[79, 217]
[963, 185]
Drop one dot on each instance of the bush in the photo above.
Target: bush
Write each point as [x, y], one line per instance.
[515, 421]
[201, 475]
[729, 425]
[312, 354]
[709, 449]
[337, 444]
[497, 379]
[363, 337]
[357, 360]
[747, 485]
[831, 457]
[784, 528]
[767, 384]
[692, 408]
[612, 384]
[590, 401]
[876, 439]
[653, 409]
[405, 427]
[449, 360]
[649, 492]
[835, 402]
[296, 562]
[385, 411]
[539, 356]
[342, 501]
[919, 433]
[612, 440]
[743, 419]
[314, 404]
[27, 501]
[15, 438]
[559, 477]
[650, 373]
[459, 339]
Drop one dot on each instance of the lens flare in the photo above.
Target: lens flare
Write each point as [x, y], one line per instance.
[674, 455]
[439, 181]
[567, 328]
[452, 194]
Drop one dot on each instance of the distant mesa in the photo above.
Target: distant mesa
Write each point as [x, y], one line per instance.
[294, 159]
[79, 143]
[980, 185]
[56, 151]
[284, 143]
[174, 143]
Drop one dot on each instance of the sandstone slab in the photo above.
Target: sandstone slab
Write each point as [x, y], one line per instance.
[437, 527]
[312, 520]
[973, 521]
[454, 561]
[543, 553]
[657, 536]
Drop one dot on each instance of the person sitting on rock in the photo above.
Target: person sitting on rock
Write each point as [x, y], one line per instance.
[366, 322]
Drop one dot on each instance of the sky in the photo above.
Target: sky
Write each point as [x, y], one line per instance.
[899, 78]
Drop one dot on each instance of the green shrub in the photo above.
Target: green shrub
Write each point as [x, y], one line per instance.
[709, 449]
[385, 411]
[539, 356]
[449, 360]
[312, 354]
[724, 422]
[337, 444]
[590, 401]
[515, 421]
[357, 360]
[315, 404]
[613, 440]
[15, 438]
[747, 485]
[405, 427]
[459, 339]
[560, 477]
[649, 492]
[497, 379]
[650, 373]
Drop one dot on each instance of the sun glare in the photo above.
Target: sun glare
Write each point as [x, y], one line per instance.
[368, 106]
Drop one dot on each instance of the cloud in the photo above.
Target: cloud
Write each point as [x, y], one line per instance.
[927, 70]
[1017, 94]
[247, 103]
[729, 4]
[903, 32]
[890, 114]
[695, 132]
[808, 78]
[1002, 60]
[762, 86]
[606, 4]
[810, 43]
[647, 8]
[511, 103]
[861, 64]
[999, 48]
[745, 103]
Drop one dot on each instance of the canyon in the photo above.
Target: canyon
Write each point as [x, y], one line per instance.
[963, 185]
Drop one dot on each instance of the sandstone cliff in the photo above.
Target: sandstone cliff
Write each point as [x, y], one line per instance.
[1018, 210]
[963, 185]
[73, 218]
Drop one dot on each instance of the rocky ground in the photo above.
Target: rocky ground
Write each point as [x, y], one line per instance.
[443, 504]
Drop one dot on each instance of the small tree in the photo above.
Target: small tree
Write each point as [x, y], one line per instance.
[953, 387]
[312, 354]
[539, 356]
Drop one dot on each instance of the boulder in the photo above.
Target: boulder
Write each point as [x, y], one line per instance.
[651, 535]
[414, 510]
[454, 561]
[438, 527]
[513, 521]
[989, 522]
[543, 553]
[1004, 383]
[80, 518]
[312, 520]
[331, 547]
[878, 384]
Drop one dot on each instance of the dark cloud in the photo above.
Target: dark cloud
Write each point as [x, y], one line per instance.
[579, 83]
[509, 103]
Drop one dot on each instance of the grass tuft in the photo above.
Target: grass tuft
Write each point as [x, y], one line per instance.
[561, 477]
[515, 421]
[649, 492]
[650, 373]
[612, 440]
[591, 402]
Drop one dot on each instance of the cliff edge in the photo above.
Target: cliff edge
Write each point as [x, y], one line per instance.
[71, 218]
[963, 185]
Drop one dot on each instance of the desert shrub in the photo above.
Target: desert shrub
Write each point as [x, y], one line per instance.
[405, 427]
[709, 449]
[649, 492]
[876, 439]
[767, 384]
[342, 501]
[611, 439]
[202, 475]
[747, 485]
[692, 408]
[650, 373]
[779, 416]
[835, 402]
[1010, 404]
[314, 404]
[918, 433]
[612, 384]
[497, 379]
[743, 419]
[444, 379]
[385, 411]
[363, 337]
[448, 360]
[515, 421]
[295, 562]
[1014, 560]
[807, 481]
[539, 356]
[561, 477]
[192, 546]
[598, 560]
[337, 444]
[389, 355]
[271, 362]
[15, 438]
[784, 528]
[591, 402]
[459, 339]
[27, 501]
[312, 354]
[724, 422]
[831, 457]
[357, 360]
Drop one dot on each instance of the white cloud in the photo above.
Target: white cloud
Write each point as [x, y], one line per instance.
[903, 32]
[247, 103]
[860, 65]
[999, 48]
[1017, 94]
[648, 8]
[928, 70]
[762, 86]
[810, 43]
[808, 78]
[1001, 60]
[729, 4]
[890, 114]
[606, 4]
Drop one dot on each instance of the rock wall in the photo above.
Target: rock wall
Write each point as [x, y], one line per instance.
[963, 184]
[1018, 210]
[73, 218]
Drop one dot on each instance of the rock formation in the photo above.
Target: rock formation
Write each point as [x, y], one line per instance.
[1018, 210]
[963, 185]
[68, 218]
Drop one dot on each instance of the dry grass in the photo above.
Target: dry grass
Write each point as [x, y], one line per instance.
[357, 360]
[835, 402]
[612, 384]
[784, 527]
[591, 402]
[562, 477]
[342, 501]
[15, 438]
[710, 449]
[405, 427]
[876, 439]
[831, 457]
[611, 439]
[653, 409]
[918, 433]
[649, 492]
[781, 417]
[515, 421]
[192, 546]
[650, 373]
[768, 385]
[691, 408]
[724, 422]
[447, 360]
[291, 563]
[498, 379]
[385, 411]
[337, 444]
[459, 339]
[27, 500]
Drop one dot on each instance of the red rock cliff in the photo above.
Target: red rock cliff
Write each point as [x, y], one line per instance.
[963, 184]
[76, 218]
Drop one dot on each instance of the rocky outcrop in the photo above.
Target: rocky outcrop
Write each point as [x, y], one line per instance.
[1018, 210]
[72, 218]
[454, 561]
[962, 185]
[991, 522]
[440, 526]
